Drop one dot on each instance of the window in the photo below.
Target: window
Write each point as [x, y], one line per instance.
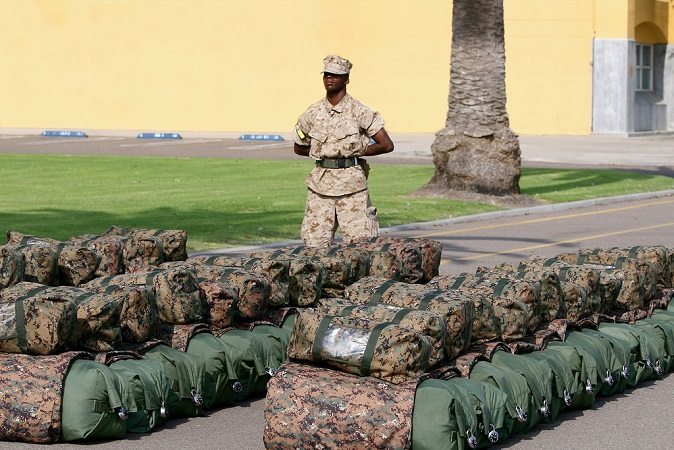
[644, 67]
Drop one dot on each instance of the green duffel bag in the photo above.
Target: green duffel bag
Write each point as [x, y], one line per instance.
[243, 349]
[664, 330]
[602, 352]
[223, 384]
[443, 417]
[540, 380]
[519, 396]
[92, 406]
[643, 350]
[585, 373]
[565, 387]
[187, 376]
[145, 391]
[271, 342]
[620, 359]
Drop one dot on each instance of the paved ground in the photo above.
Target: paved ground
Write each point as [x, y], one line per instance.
[641, 418]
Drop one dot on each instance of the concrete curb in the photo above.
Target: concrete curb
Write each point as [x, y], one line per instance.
[556, 207]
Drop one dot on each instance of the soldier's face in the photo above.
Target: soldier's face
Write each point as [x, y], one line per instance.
[334, 83]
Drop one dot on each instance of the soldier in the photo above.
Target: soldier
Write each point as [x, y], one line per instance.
[336, 131]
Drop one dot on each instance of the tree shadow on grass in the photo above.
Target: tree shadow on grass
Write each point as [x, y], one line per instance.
[578, 179]
[203, 226]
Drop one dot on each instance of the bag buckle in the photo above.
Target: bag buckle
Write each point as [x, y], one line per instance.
[545, 409]
[658, 367]
[271, 372]
[626, 371]
[122, 412]
[162, 410]
[521, 414]
[197, 399]
[609, 378]
[237, 386]
[472, 440]
[567, 398]
[493, 434]
[588, 386]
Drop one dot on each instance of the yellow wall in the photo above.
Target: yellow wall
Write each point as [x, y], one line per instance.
[548, 66]
[208, 65]
[253, 65]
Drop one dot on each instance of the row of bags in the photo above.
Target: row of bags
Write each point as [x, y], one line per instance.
[76, 396]
[488, 394]
[83, 258]
[397, 331]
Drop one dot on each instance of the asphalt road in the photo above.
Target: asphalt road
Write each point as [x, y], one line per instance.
[641, 418]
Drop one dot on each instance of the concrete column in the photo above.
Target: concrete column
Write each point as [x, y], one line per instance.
[613, 86]
[668, 86]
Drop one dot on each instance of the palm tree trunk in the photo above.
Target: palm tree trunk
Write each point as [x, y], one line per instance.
[477, 151]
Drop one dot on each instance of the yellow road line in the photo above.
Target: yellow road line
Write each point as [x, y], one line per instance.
[534, 247]
[544, 219]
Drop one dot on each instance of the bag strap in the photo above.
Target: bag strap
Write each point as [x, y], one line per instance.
[428, 296]
[498, 289]
[376, 296]
[369, 348]
[457, 283]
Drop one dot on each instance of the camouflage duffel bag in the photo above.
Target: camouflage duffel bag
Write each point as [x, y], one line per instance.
[358, 259]
[110, 250]
[144, 389]
[98, 315]
[40, 263]
[371, 412]
[547, 282]
[197, 340]
[32, 321]
[176, 291]
[338, 272]
[222, 301]
[515, 302]
[408, 253]
[12, 266]
[173, 242]
[429, 250]
[305, 277]
[660, 256]
[276, 270]
[31, 396]
[93, 408]
[187, 377]
[139, 316]
[459, 413]
[627, 283]
[360, 346]
[425, 323]
[254, 288]
[456, 309]
[75, 264]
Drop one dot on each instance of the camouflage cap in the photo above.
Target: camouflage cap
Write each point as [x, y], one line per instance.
[337, 65]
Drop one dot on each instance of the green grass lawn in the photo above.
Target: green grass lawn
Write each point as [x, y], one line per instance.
[225, 202]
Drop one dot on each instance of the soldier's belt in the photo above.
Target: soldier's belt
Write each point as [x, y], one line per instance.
[337, 163]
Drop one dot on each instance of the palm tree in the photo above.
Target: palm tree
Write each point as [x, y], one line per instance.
[476, 151]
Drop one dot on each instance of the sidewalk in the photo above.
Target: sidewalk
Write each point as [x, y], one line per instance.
[648, 153]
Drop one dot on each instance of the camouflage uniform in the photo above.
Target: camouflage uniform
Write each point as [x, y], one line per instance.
[338, 197]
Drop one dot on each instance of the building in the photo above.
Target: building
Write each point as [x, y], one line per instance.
[574, 67]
